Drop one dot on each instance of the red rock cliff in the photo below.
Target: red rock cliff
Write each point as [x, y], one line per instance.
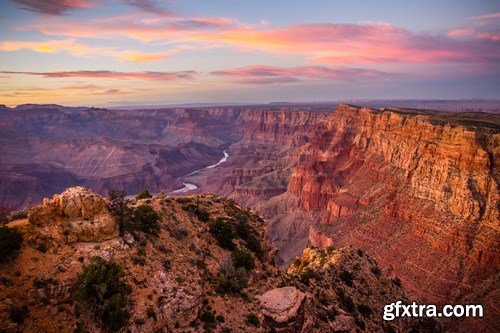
[418, 193]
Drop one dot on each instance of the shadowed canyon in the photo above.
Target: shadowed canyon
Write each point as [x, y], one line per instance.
[416, 190]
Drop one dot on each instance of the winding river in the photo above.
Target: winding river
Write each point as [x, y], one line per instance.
[190, 186]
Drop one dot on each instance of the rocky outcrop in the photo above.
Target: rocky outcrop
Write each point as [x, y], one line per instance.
[283, 309]
[76, 215]
[184, 277]
[407, 182]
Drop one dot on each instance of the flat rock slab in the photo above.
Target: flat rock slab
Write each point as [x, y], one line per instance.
[282, 304]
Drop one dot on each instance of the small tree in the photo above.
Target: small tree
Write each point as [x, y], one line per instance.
[120, 209]
[10, 242]
[144, 194]
[104, 291]
[146, 219]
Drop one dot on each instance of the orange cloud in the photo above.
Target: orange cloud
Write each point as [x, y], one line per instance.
[149, 76]
[74, 48]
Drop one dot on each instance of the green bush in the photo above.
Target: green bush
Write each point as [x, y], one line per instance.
[376, 271]
[202, 214]
[223, 232]
[11, 241]
[144, 194]
[146, 219]
[347, 277]
[17, 314]
[207, 317]
[231, 280]
[103, 289]
[243, 259]
[247, 233]
[253, 320]
[365, 310]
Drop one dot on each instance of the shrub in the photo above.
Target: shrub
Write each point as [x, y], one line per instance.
[151, 313]
[102, 288]
[223, 232]
[397, 282]
[202, 214]
[347, 277]
[243, 259]
[146, 219]
[248, 234]
[17, 314]
[10, 243]
[220, 318]
[376, 271]
[365, 310]
[144, 194]
[231, 280]
[253, 245]
[207, 317]
[167, 265]
[345, 301]
[252, 319]
[18, 214]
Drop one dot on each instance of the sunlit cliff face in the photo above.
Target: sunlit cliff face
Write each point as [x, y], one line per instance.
[149, 52]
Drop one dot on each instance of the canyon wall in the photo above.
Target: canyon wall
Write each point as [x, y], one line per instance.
[419, 194]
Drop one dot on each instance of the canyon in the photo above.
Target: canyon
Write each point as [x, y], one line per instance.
[416, 190]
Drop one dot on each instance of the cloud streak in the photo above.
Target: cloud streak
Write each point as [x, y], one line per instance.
[104, 74]
[322, 43]
[260, 74]
[52, 7]
[74, 48]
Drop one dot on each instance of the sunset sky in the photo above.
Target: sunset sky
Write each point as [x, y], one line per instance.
[133, 52]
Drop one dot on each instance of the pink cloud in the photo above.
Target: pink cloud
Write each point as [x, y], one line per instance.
[53, 7]
[493, 36]
[461, 32]
[260, 74]
[331, 44]
[104, 74]
[487, 16]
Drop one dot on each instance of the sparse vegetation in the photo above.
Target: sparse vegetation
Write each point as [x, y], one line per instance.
[103, 289]
[223, 232]
[17, 313]
[347, 277]
[11, 241]
[144, 194]
[253, 320]
[146, 220]
[231, 280]
[243, 259]
[376, 271]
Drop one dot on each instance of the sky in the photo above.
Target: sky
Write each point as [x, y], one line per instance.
[148, 52]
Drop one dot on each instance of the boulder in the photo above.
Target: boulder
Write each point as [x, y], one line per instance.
[76, 215]
[283, 309]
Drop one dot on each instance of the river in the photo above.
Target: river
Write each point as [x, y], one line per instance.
[190, 186]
